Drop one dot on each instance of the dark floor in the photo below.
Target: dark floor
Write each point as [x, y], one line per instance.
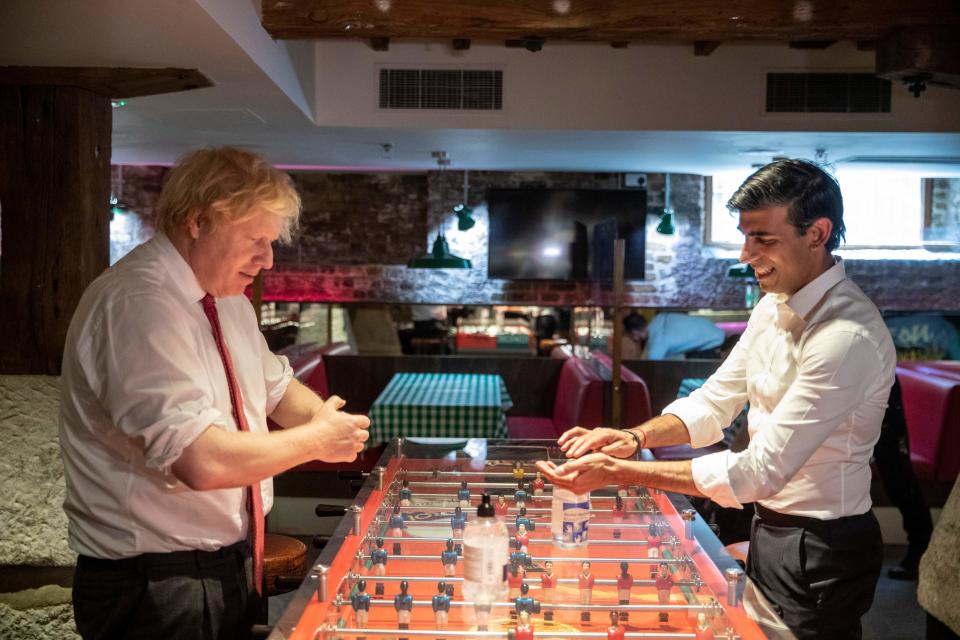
[895, 614]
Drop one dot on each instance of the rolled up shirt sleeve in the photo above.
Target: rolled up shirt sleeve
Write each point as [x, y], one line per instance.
[830, 385]
[145, 369]
[710, 409]
[277, 374]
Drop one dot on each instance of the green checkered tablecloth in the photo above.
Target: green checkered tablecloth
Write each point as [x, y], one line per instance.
[441, 405]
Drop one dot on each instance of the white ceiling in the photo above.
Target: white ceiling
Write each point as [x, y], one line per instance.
[264, 99]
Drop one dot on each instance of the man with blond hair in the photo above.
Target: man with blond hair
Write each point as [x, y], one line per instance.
[167, 385]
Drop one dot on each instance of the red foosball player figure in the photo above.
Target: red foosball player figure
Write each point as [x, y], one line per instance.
[523, 538]
[585, 581]
[619, 513]
[653, 546]
[548, 582]
[703, 631]
[523, 630]
[538, 485]
[616, 630]
[624, 584]
[448, 557]
[664, 583]
[514, 581]
[441, 606]
[501, 509]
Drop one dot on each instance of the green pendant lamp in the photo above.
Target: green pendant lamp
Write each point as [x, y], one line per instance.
[440, 256]
[666, 218]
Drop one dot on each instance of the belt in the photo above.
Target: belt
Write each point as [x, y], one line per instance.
[191, 558]
[777, 519]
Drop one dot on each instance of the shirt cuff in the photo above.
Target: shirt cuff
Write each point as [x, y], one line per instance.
[711, 477]
[702, 426]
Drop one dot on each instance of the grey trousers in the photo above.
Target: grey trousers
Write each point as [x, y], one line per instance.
[202, 595]
[819, 575]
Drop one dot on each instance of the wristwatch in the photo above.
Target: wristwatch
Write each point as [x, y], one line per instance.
[637, 440]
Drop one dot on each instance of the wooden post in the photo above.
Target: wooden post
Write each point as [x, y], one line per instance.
[619, 253]
[54, 216]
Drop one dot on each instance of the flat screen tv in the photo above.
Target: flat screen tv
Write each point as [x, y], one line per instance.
[564, 234]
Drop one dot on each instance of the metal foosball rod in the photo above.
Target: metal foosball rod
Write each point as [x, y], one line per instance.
[599, 525]
[332, 631]
[613, 542]
[533, 583]
[400, 558]
[655, 608]
[445, 509]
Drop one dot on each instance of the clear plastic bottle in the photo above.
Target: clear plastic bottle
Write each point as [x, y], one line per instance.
[485, 556]
[570, 518]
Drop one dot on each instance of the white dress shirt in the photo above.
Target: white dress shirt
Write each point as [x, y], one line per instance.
[142, 379]
[817, 368]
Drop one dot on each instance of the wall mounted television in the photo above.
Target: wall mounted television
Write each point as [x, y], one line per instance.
[564, 234]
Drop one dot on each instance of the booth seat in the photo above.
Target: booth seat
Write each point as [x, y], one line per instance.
[636, 396]
[579, 402]
[931, 405]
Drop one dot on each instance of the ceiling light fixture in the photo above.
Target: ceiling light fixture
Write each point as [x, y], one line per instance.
[666, 218]
[440, 256]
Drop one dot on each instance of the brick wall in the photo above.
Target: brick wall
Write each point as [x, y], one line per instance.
[358, 231]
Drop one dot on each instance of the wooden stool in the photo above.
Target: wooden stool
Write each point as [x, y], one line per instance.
[282, 556]
[738, 551]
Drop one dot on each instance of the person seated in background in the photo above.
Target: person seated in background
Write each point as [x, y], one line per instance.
[429, 320]
[671, 336]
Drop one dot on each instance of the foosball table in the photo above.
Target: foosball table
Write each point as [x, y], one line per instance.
[652, 568]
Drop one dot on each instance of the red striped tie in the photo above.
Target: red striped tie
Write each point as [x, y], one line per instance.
[254, 499]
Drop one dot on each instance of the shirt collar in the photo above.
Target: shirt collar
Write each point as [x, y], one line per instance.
[180, 272]
[804, 300]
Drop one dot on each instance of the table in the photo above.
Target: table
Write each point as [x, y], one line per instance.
[451, 405]
[705, 578]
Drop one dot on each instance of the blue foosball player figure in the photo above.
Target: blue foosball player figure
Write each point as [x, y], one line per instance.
[403, 603]
[406, 494]
[360, 601]
[441, 606]
[449, 559]
[522, 519]
[525, 603]
[520, 496]
[378, 562]
[395, 527]
[458, 523]
[463, 495]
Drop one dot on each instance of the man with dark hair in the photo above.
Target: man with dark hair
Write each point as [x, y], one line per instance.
[816, 364]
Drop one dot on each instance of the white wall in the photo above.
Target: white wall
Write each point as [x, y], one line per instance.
[593, 86]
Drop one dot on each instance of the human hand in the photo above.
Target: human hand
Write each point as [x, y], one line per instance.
[614, 442]
[590, 472]
[341, 435]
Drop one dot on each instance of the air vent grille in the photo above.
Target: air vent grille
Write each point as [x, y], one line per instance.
[827, 93]
[441, 89]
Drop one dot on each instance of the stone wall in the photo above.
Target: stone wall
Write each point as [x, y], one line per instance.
[358, 231]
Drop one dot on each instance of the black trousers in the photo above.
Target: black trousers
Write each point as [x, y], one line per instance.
[819, 575]
[202, 595]
[892, 455]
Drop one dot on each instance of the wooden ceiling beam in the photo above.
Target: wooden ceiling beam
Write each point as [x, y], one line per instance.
[108, 81]
[601, 20]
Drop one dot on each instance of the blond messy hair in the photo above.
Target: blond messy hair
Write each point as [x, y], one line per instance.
[224, 185]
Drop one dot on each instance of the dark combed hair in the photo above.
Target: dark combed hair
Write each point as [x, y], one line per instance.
[803, 187]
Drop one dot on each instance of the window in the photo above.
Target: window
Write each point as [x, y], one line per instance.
[886, 208]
